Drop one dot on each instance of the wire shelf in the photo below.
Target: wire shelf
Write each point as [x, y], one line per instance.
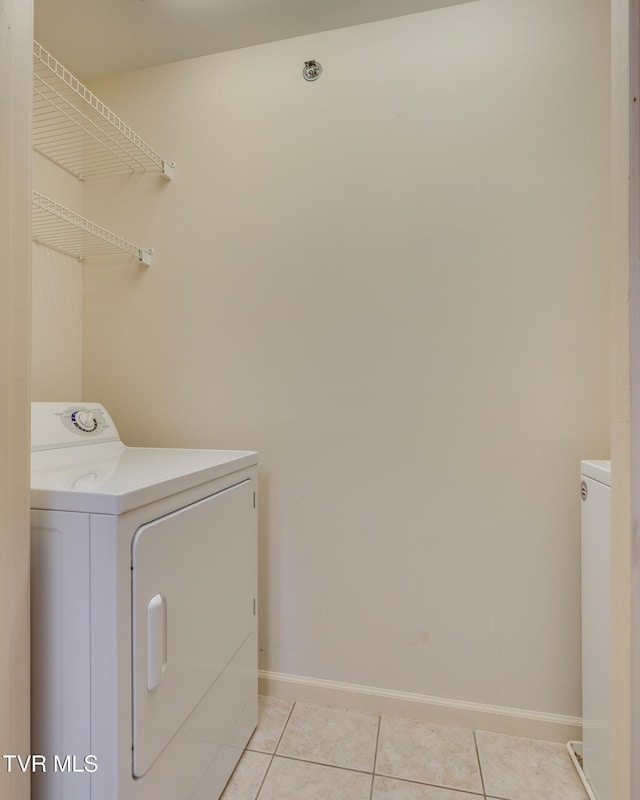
[61, 229]
[75, 130]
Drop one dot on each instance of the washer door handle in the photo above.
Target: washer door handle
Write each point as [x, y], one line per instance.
[156, 641]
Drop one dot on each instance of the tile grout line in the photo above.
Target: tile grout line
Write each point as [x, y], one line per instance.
[325, 764]
[299, 760]
[273, 755]
[284, 728]
[475, 741]
[264, 777]
[375, 756]
[469, 792]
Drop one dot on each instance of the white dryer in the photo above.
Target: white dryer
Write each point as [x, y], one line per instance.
[144, 650]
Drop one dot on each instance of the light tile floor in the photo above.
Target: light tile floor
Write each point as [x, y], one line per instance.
[312, 752]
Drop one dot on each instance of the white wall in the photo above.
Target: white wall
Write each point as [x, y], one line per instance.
[15, 205]
[625, 770]
[56, 327]
[393, 283]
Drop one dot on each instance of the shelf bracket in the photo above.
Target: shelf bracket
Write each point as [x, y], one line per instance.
[168, 170]
[145, 256]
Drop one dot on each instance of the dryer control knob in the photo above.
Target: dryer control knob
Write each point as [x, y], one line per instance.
[84, 420]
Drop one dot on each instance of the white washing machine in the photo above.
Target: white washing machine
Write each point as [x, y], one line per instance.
[144, 649]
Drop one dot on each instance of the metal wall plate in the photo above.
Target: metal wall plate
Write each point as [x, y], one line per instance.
[312, 70]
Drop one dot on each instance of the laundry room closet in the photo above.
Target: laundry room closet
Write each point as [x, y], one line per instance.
[393, 283]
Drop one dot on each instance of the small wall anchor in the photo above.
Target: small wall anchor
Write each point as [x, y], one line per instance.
[312, 70]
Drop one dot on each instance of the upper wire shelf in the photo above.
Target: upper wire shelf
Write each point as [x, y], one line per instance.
[75, 130]
[63, 230]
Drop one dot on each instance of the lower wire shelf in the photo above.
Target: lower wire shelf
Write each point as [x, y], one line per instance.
[61, 229]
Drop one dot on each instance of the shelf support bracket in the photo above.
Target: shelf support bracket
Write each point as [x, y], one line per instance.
[168, 170]
[145, 256]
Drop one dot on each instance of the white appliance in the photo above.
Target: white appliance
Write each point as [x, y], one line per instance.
[596, 626]
[144, 652]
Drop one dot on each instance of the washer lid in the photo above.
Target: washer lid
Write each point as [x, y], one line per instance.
[598, 470]
[111, 478]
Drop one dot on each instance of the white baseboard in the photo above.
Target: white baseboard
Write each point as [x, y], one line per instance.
[498, 719]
